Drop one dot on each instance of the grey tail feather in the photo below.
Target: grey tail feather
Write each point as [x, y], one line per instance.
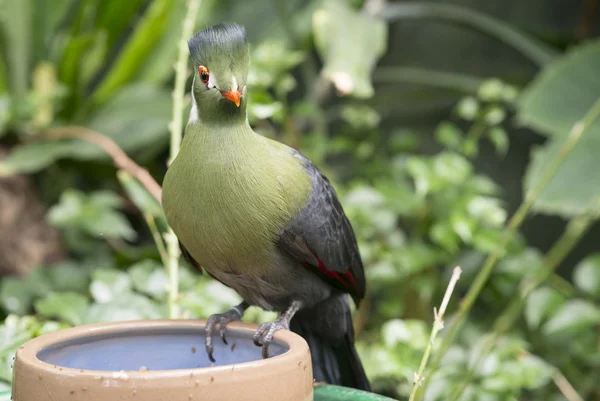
[334, 362]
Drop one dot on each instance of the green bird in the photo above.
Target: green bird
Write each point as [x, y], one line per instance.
[259, 217]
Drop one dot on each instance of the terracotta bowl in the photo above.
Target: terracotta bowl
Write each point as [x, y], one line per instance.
[160, 360]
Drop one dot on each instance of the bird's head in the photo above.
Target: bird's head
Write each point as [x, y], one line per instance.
[221, 61]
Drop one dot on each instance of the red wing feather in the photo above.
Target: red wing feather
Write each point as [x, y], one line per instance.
[344, 281]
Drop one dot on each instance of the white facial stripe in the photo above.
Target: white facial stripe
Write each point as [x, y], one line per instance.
[194, 111]
[234, 84]
[212, 82]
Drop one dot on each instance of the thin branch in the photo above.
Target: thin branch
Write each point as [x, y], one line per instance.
[120, 158]
[176, 127]
[565, 387]
[438, 325]
[573, 138]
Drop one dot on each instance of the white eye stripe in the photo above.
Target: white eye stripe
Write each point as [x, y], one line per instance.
[212, 81]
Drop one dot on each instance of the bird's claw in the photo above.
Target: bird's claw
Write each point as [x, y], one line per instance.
[264, 334]
[223, 319]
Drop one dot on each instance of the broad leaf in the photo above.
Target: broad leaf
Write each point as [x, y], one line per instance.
[139, 46]
[149, 278]
[35, 156]
[587, 275]
[109, 285]
[128, 306]
[557, 99]
[93, 214]
[540, 304]
[68, 306]
[136, 118]
[572, 317]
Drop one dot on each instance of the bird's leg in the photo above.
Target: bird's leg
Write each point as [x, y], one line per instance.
[234, 314]
[265, 332]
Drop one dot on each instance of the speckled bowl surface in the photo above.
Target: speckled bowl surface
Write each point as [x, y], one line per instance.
[160, 360]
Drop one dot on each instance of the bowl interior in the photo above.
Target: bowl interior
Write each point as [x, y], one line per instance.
[154, 349]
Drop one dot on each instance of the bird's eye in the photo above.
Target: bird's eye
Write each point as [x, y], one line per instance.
[204, 74]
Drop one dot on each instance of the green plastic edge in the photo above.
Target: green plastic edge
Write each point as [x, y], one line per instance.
[337, 393]
[322, 393]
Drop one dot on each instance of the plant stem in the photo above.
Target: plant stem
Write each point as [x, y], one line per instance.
[181, 74]
[176, 128]
[533, 49]
[574, 231]
[158, 240]
[438, 325]
[421, 76]
[574, 136]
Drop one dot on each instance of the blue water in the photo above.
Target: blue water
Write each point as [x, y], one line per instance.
[159, 349]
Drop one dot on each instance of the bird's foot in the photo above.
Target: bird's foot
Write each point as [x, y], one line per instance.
[264, 334]
[222, 319]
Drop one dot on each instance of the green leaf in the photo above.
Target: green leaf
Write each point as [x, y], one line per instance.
[499, 139]
[93, 214]
[468, 108]
[558, 98]
[109, 284]
[149, 277]
[17, 295]
[411, 332]
[572, 317]
[271, 60]
[442, 233]
[34, 156]
[587, 274]
[68, 306]
[16, 21]
[360, 116]
[141, 43]
[136, 117]
[452, 167]
[487, 210]
[115, 16]
[491, 90]
[14, 331]
[128, 306]
[494, 115]
[535, 372]
[449, 135]
[350, 44]
[47, 18]
[68, 276]
[540, 304]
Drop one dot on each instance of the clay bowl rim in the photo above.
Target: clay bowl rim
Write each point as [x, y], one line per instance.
[27, 353]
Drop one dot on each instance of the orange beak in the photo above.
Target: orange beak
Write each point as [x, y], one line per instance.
[234, 96]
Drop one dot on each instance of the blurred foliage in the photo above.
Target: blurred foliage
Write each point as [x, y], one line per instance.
[417, 212]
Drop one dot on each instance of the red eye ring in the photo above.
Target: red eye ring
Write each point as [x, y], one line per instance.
[204, 74]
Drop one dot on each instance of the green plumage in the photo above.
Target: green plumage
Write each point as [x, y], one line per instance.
[230, 192]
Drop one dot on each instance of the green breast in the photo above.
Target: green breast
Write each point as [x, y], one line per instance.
[229, 194]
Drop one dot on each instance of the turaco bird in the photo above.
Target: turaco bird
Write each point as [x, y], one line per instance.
[259, 217]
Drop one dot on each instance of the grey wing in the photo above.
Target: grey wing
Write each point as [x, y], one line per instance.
[322, 239]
